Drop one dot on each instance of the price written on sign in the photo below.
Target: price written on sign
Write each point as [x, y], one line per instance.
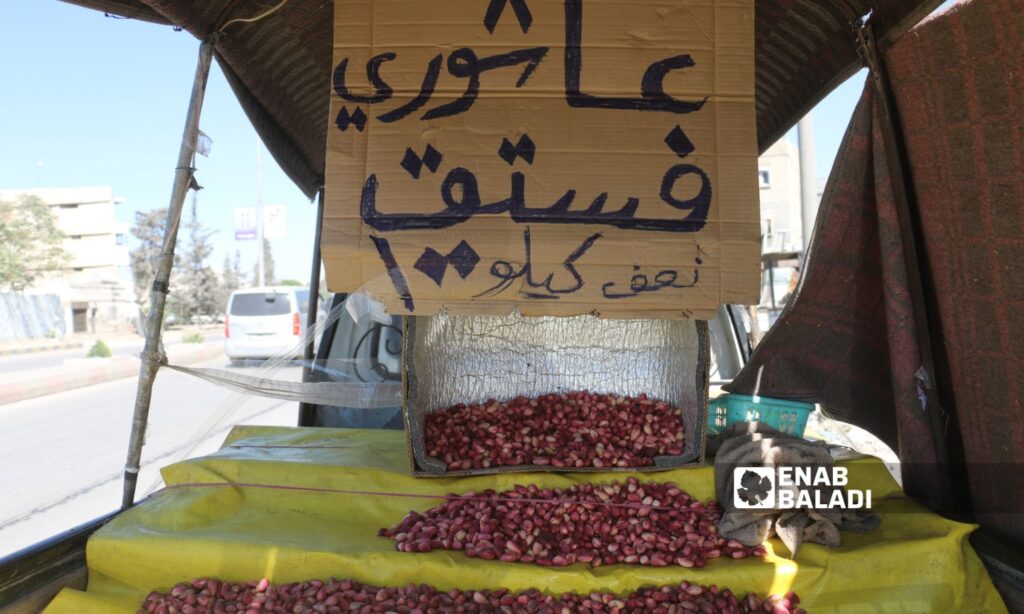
[554, 156]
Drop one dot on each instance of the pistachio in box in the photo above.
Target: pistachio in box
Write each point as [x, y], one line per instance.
[489, 394]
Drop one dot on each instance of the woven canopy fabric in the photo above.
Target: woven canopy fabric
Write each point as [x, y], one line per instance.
[847, 338]
[280, 66]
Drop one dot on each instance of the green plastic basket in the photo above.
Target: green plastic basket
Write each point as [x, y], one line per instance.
[786, 416]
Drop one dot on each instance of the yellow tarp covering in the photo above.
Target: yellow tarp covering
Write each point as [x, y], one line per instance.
[915, 562]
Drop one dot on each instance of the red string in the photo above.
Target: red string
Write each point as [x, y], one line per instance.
[628, 505]
[296, 447]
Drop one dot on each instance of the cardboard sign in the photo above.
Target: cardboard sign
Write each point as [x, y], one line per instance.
[556, 156]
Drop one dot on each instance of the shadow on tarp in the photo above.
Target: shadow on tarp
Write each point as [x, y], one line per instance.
[915, 561]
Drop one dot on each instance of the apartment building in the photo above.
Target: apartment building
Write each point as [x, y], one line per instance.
[779, 179]
[95, 287]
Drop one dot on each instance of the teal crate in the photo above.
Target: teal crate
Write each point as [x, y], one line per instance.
[786, 416]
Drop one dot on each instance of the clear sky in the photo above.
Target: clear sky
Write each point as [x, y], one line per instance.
[102, 101]
[91, 100]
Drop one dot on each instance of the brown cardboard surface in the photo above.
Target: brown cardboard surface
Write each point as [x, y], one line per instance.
[474, 231]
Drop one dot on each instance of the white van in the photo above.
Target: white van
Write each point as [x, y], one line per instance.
[265, 322]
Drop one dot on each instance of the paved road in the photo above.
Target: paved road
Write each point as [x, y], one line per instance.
[121, 347]
[62, 456]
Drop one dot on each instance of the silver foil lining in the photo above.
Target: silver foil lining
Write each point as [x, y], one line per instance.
[465, 359]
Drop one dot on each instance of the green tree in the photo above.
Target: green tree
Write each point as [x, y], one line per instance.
[30, 243]
[196, 289]
[291, 282]
[231, 274]
[99, 350]
[231, 277]
[149, 230]
[268, 267]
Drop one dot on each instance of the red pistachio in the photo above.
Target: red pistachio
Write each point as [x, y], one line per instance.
[343, 596]
[600, 524]
[576, 429]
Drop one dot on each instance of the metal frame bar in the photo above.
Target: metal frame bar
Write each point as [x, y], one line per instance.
[892, 34]
[44, 567]
[307, 411]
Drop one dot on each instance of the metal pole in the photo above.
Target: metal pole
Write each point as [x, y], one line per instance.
[307, 411]
[261, 273]
[158, 294]
[808, 179]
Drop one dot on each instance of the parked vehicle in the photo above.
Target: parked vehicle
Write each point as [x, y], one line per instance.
[265, 322]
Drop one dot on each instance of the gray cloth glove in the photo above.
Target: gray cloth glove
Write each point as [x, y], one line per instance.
[755, 444]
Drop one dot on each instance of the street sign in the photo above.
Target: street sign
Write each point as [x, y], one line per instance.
[275, 221]
[245, 223]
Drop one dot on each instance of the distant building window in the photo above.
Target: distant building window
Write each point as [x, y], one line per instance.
[78, 269]
[69, 206]
[764, 178]
[76, 237]
[121, 239]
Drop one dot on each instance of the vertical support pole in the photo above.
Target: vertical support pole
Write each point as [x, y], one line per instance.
[151, 355]
[261, 271]
[808, 180]
[307, 411]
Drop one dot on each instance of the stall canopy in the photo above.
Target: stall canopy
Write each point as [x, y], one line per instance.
[280, 69]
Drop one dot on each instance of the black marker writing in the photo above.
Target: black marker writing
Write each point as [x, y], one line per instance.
[426, 91]
[699, 205]
[460, 192]
[395, 273]
[464, 64]
[384, 91]
[640, 283]
[508, 274]
[652, 85]
[497, 7]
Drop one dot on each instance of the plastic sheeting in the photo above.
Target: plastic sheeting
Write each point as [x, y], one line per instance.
[357, 385]
[360, 395]
[915, 562]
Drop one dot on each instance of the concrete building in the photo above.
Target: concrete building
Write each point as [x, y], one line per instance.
[779, 178]
[96, 287]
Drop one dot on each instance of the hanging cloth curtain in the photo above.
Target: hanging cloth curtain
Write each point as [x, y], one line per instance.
[847, 340]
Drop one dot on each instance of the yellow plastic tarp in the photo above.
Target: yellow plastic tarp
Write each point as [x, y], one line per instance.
[915, 562]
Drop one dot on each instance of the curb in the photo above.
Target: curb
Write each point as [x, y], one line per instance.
[43, 382]
[35, 349]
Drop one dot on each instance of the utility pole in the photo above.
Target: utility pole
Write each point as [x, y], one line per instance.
[261, 272]
[808, 179]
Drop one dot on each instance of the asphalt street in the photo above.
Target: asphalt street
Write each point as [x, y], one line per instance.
[120, 347]
[62, 456]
